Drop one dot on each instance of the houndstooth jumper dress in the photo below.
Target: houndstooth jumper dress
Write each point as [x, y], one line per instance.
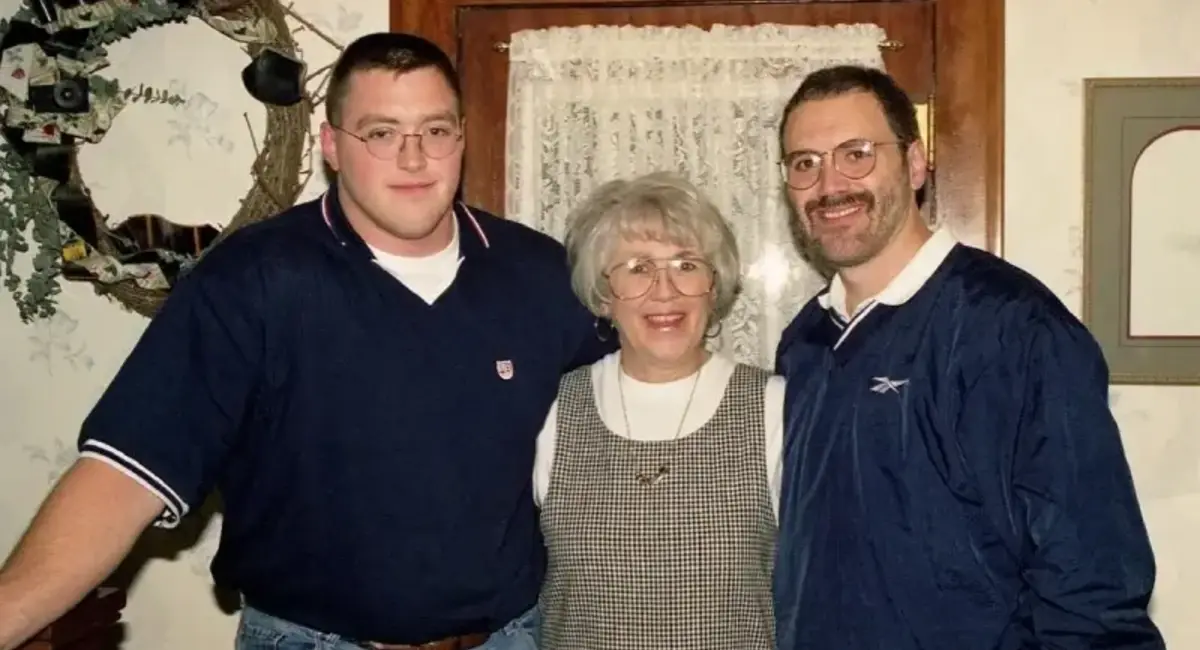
[681, 565]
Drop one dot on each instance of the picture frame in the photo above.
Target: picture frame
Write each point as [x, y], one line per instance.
[1124, 118]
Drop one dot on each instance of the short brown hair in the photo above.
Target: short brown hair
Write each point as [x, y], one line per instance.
[392, 51]
[839, 80]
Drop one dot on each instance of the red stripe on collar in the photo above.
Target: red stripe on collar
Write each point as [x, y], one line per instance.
[466, 210]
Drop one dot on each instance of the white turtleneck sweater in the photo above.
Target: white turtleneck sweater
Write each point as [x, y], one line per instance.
[655, 411]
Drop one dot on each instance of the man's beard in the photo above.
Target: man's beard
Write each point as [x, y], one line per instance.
[838, 247]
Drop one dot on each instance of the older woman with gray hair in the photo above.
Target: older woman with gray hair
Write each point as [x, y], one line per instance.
[658, 470]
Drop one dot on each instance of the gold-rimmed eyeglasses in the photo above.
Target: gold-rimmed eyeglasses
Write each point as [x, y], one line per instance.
[853, 159]
[634, 278]
[386, 143]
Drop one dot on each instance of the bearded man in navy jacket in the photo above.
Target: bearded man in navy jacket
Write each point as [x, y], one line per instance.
[953, 478]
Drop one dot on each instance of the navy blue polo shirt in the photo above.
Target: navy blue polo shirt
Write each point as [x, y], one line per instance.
[374, 453]
[953, 478]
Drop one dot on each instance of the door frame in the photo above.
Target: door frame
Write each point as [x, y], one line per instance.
[968, 102]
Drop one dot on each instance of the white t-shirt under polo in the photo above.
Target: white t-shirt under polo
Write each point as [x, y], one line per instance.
[428, 277]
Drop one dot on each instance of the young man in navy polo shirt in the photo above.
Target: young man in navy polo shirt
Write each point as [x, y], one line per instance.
[362, 377]
[953, 478]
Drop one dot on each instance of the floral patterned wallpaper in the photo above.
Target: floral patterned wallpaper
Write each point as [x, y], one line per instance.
[189, 163]
[1043, 223]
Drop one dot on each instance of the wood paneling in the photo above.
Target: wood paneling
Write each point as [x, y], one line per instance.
[953, 49]
[969, 114]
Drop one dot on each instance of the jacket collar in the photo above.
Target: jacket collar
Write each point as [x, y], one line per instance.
[905, 285]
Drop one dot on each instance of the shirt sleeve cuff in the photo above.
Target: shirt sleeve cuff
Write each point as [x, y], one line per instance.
[174, 507]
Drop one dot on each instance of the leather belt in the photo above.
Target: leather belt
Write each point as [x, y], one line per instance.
[464, 642]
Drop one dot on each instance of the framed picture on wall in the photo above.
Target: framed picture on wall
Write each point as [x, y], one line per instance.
[1142, 227]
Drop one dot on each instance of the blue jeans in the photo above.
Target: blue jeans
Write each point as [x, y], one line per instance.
[261, 631]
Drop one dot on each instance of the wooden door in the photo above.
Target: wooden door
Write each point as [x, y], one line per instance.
[946, 53]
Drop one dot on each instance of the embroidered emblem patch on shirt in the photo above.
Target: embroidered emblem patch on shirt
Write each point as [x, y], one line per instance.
[885, 384]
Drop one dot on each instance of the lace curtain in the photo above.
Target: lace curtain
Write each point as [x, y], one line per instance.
[589, 104]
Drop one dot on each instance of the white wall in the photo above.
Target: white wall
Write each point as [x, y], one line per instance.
[1051, 47]
[190, 164]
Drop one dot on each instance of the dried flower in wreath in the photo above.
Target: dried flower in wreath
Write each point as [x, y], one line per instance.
[223, 7]
[54, 103]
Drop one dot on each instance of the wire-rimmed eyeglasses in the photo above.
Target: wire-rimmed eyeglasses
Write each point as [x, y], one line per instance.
[386, 143]
[634, 278]
[853, 159]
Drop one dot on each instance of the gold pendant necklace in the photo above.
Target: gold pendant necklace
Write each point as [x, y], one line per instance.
[650, 478]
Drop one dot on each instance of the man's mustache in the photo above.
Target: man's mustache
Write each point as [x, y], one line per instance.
[832, 201]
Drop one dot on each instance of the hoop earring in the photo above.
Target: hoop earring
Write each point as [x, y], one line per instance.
[599, 333]
[709, 334]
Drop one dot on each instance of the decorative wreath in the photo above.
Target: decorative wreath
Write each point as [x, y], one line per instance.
[54, 103]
